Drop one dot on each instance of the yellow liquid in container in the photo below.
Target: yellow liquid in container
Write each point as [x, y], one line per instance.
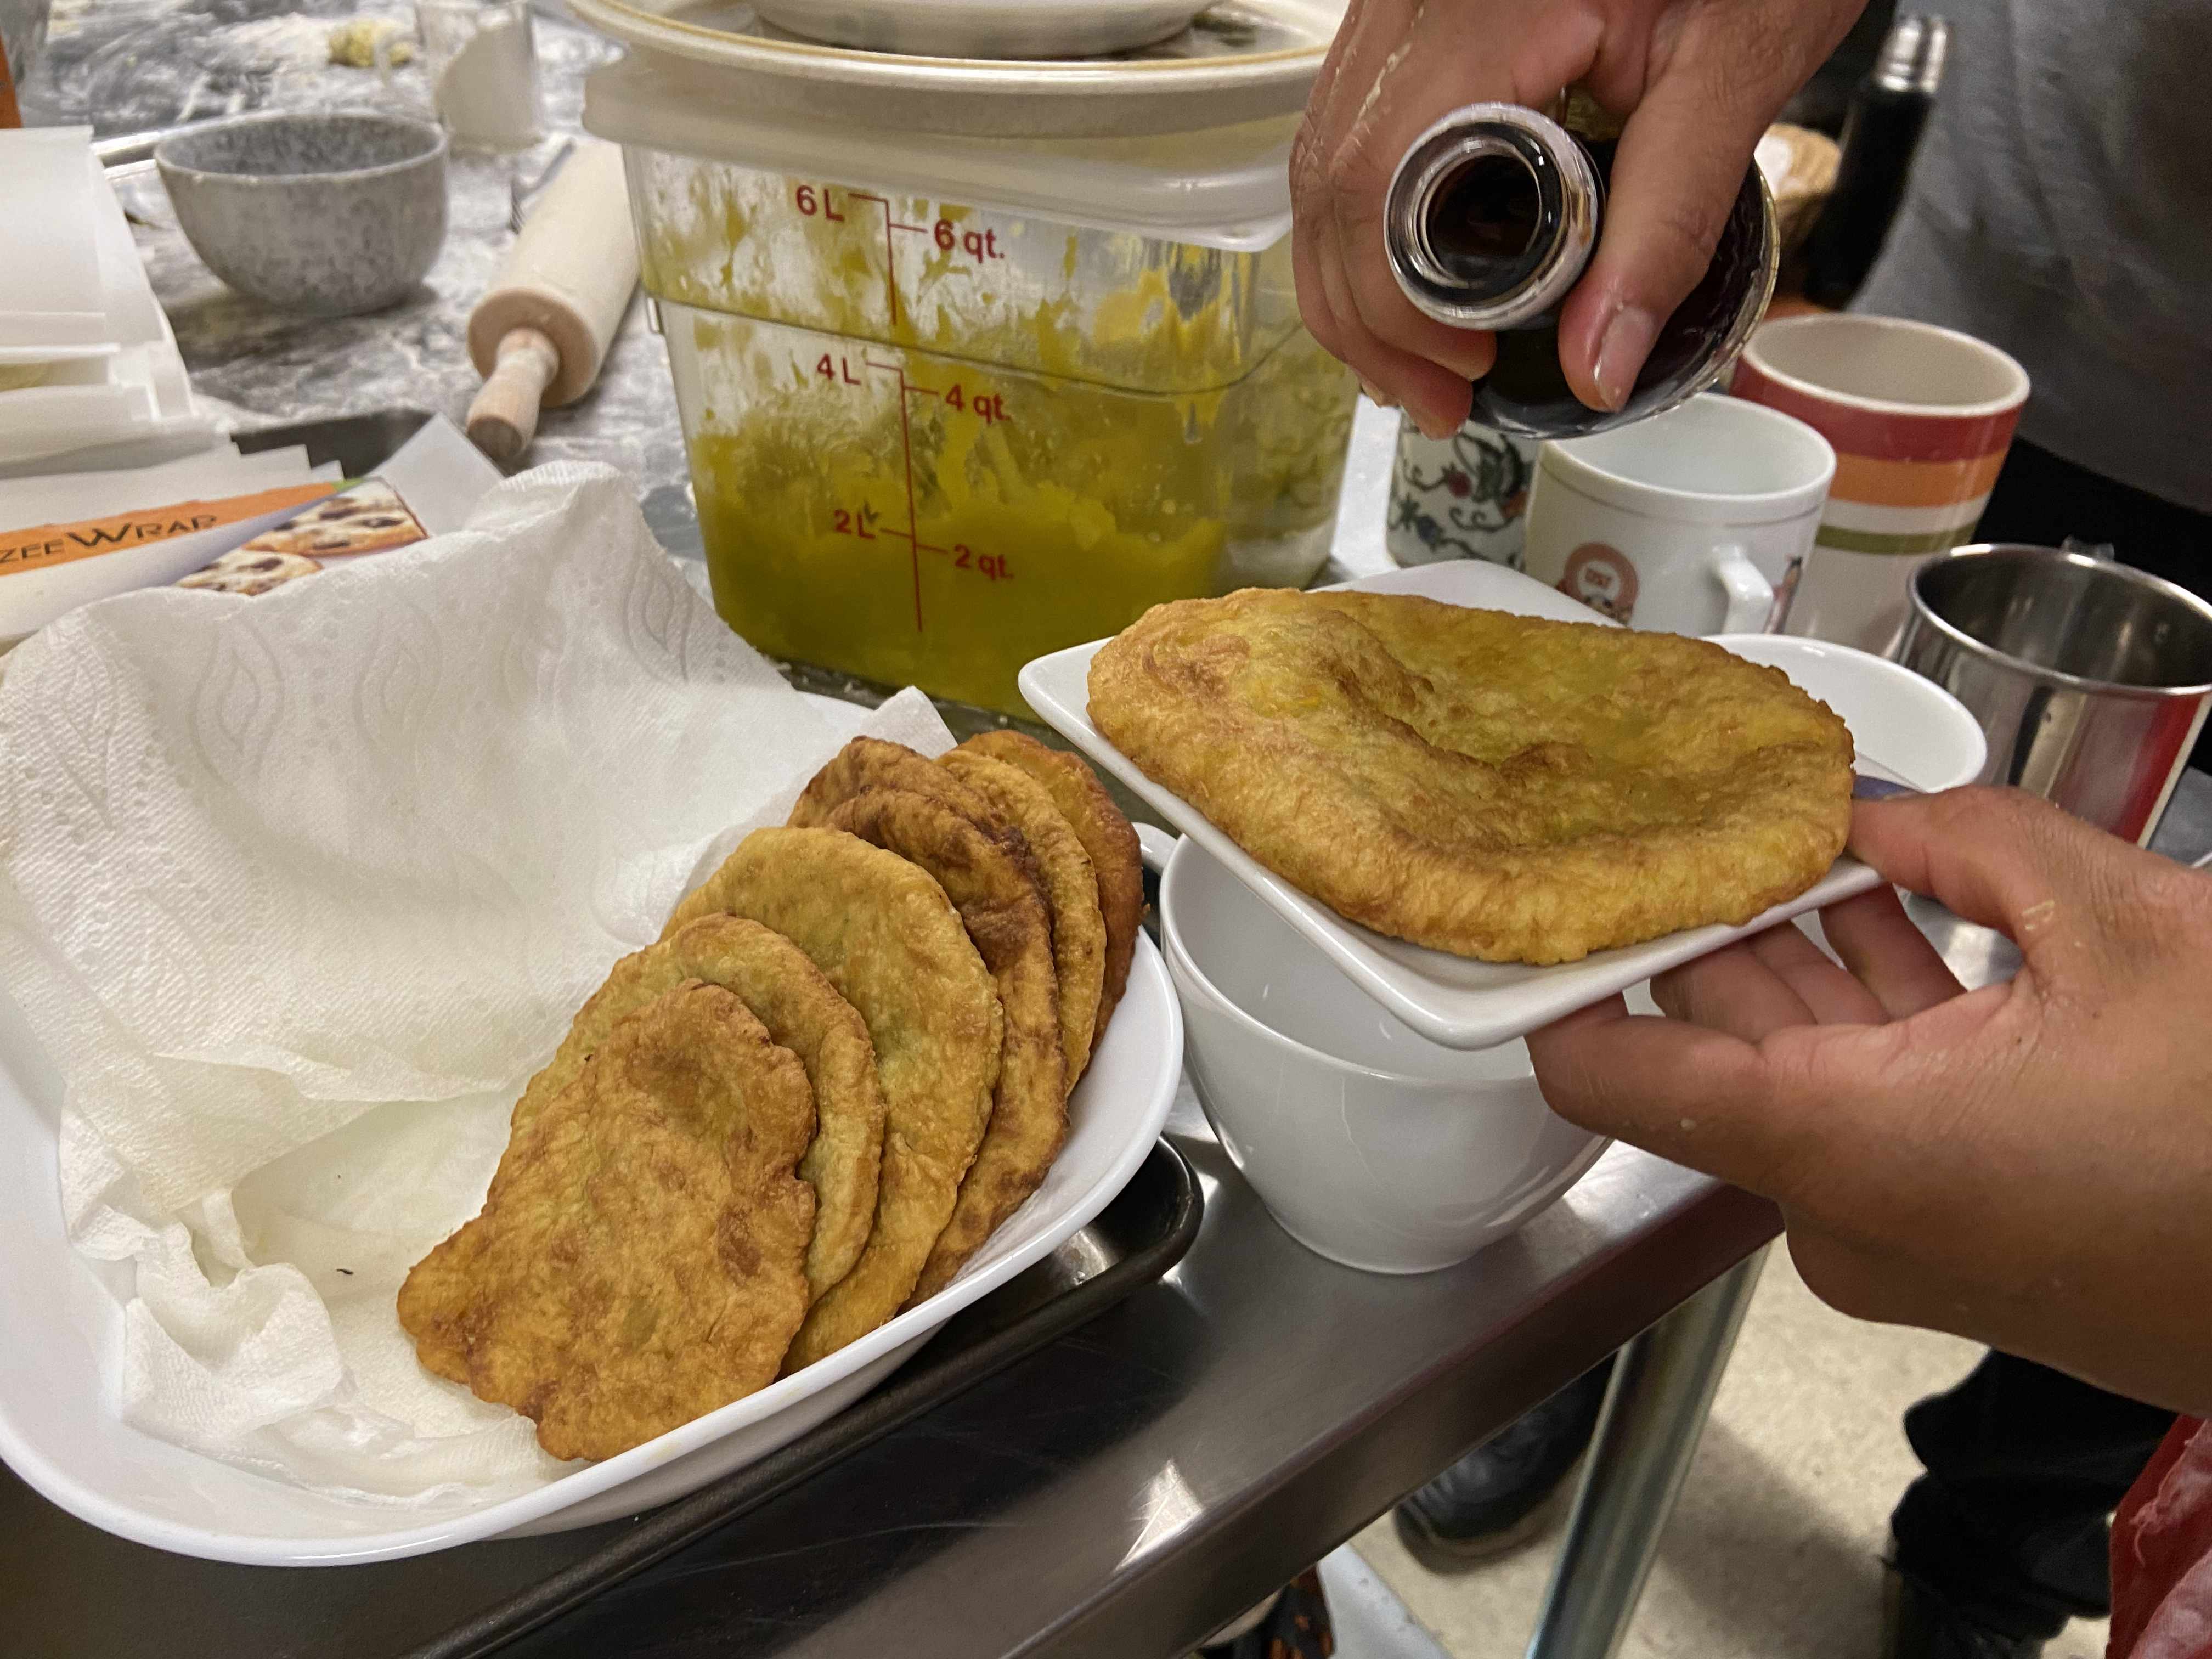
[931, 444]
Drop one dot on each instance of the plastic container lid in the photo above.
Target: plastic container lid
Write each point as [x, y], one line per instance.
[1223, 187]
[1188, 142]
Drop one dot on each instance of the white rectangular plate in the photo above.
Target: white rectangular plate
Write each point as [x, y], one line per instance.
[1907, 730]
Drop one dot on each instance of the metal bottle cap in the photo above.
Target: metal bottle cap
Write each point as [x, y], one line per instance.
[1458, 273]
[1913, 55]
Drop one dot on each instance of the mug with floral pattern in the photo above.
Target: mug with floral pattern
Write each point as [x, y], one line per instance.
[1461, 497]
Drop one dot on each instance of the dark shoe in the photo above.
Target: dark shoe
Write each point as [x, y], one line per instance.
[1499, 1495]
[1917, 1622]
[1291, 1624]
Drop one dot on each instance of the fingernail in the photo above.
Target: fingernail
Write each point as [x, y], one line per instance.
[1470, 360]
[1627, 342]
[1381, 399]
[1436, 427]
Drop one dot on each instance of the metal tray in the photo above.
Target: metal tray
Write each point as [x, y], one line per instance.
[358, 443]
[67, 1588]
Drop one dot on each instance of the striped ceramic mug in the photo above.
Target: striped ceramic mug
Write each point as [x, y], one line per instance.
[1920, 418]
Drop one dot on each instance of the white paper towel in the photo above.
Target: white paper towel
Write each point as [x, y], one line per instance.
[298, 891]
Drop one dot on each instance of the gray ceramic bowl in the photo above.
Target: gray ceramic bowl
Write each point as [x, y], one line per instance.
[330, 214]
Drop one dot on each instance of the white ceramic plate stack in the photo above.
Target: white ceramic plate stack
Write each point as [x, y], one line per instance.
[984, 28]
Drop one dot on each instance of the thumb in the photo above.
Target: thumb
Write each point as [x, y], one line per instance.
[2046, 880]
[1675, 178]
[1702, 87]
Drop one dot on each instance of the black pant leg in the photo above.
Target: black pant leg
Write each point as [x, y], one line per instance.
[2025, 1465]
[2041, 499]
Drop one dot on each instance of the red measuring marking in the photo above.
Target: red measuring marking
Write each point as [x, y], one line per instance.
[890, 257]
[912, 534]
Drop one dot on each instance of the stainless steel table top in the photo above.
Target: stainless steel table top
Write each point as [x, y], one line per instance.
[1127, 1491]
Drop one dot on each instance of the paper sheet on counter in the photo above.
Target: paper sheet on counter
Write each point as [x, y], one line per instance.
[433, 481]
[298, 890]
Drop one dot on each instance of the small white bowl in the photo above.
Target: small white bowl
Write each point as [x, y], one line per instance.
[1370, 1143]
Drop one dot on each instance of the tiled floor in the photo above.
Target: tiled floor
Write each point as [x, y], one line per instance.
[1774, 1549]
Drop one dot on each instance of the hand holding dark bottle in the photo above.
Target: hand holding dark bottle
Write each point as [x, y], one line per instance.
[1698, 81]
[1490, 223]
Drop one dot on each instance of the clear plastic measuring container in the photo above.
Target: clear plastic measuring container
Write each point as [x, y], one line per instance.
[931, 439]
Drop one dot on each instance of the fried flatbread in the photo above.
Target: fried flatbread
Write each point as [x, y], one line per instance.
[1106, 835]
[803, 1012]
[889, 939]
[998, 905]
[1070, 887]
[873, 764]
[1499, 787]
[640, 1257]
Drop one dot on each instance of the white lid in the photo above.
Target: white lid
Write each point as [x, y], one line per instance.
[1213, 185]
[1239, 61]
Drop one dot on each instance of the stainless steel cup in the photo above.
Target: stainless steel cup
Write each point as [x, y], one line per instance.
[2091, 680]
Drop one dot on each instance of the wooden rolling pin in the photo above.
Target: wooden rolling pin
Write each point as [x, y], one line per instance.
[539, 334]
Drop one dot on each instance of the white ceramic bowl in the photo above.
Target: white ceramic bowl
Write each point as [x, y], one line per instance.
[1923, 734]
[984, 28]
[1369, 1143]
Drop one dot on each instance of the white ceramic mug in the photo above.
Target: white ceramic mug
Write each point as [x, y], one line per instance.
[1692, 522]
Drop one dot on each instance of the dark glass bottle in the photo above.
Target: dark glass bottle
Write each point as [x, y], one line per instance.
[1881, 133]
[1490, 217]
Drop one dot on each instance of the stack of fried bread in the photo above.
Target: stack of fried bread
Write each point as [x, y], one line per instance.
[845, 1062]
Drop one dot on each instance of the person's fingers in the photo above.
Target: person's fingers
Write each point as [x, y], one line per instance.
[1701, 1097]
[1359, 186]
[1887, 954]
[1435, 399]
[1676, 176]
[2058, 888]
[1732, 991]
[1771, 981]
[1433, 65]
[1314, 307]
[1403, 92]
[1370, 30]
[1834, 997]
[1332, 67]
